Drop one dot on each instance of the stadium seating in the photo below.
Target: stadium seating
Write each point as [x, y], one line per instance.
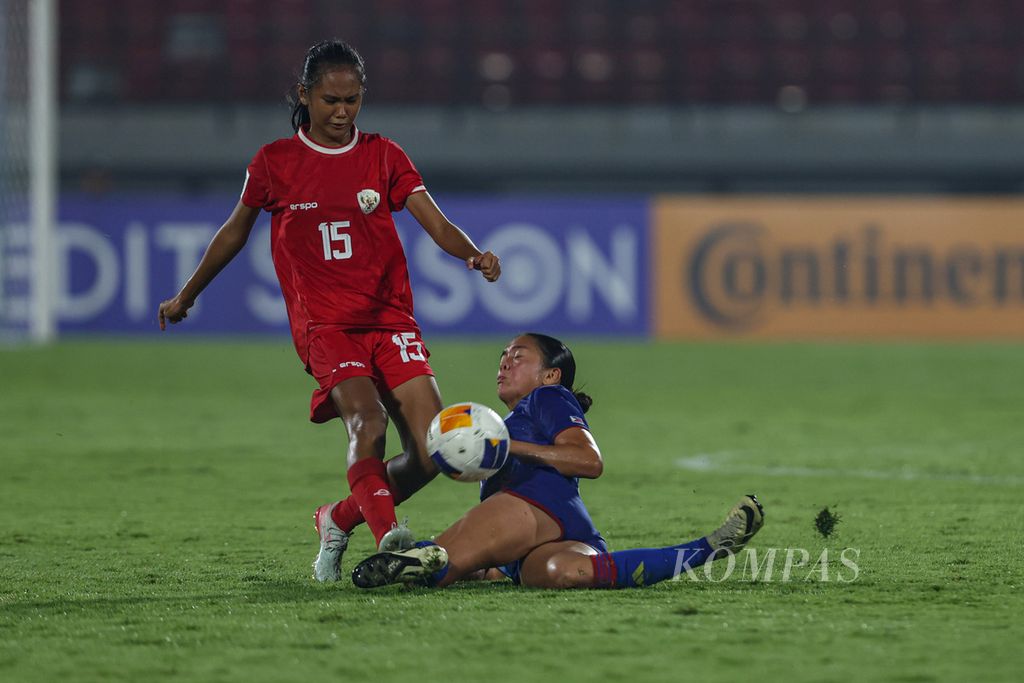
[500, 53]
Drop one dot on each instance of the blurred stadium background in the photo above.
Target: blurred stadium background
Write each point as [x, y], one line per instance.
[562, 128]
[564, 95]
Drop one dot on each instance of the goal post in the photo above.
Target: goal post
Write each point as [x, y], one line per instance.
[43, 105]
[28, 169]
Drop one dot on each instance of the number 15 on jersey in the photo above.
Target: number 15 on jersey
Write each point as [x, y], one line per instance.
[333, 238]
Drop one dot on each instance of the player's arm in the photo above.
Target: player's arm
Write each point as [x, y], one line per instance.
[228, 241]
[449, 237]
[574, 453]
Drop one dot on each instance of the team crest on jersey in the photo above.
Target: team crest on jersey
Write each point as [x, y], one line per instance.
[368, 200]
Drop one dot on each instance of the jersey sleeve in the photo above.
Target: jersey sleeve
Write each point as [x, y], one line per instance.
[555, 409]
[256, 190]
[403, 178]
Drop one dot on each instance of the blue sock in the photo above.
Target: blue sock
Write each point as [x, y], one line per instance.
[647, 566]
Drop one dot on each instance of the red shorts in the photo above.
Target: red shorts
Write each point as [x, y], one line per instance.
[389, 358]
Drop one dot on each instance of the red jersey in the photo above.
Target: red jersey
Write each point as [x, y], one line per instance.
[335, 248]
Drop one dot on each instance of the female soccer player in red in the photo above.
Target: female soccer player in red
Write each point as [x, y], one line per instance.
[531, 524]
[330, 190]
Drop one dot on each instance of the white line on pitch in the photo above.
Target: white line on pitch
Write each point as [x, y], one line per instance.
[704, 462]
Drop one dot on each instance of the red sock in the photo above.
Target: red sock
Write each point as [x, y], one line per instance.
[605, 571]
[368, 479]
[346, 514]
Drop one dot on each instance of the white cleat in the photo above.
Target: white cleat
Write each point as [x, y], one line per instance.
[743, 521]
[397, 539]
[333, 542]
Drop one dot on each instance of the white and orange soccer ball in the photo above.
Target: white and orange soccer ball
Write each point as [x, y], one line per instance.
[468, 441]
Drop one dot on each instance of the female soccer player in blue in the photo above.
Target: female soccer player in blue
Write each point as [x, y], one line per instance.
[531, 524]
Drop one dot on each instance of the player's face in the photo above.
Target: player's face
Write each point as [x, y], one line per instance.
[521, 370]
[333, 103]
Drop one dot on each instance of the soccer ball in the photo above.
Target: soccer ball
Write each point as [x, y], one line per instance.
[468, 441]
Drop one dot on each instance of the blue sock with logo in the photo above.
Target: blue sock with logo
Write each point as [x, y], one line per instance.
[647, 566]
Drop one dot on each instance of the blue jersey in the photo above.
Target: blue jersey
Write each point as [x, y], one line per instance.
[539, 418]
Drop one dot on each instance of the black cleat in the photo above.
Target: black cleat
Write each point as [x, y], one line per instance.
[415, 565]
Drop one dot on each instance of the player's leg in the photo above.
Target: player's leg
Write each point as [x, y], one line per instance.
[498, 531]
[346, 515]
[353, 400]
[359, 405]
[412, 400]
[563, 564]
[647, 566]
[412, 405]
[492, 574]
[336, 357]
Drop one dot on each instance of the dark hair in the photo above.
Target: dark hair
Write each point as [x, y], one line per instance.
[321, 58]
[557, 355]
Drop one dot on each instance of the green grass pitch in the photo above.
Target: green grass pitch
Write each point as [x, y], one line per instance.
[157, 500]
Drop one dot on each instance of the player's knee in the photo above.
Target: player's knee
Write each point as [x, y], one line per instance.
[558, 572]
[367, 423]
[565, 574]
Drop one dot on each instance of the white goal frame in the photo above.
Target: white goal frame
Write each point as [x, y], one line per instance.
[43, 145]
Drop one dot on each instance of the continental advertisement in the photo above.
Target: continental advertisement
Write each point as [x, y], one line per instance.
[838, 268]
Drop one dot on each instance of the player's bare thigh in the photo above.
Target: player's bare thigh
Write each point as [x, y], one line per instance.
[562, 564]
[499, 530]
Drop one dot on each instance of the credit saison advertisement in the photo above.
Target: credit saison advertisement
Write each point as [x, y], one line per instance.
[572, 265]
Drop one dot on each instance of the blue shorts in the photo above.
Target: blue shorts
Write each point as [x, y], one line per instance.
[554, 494]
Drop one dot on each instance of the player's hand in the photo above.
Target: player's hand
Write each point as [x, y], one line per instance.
[174, 310]
[487, 263]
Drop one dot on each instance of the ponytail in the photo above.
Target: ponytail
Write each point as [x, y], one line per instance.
[557, 355]
[584, 400]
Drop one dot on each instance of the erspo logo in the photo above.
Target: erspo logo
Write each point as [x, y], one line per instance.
[835, 270]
